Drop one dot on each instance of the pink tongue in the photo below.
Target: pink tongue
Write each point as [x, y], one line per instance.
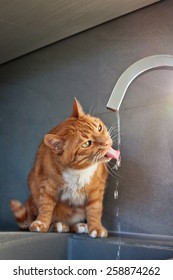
[113, 153]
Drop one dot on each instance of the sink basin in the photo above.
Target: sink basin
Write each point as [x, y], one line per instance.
[53, 246]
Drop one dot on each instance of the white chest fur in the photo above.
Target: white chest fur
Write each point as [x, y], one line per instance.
[75, 180]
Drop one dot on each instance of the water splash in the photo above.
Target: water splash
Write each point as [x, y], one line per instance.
[116, 190]
[118, 225]
[118, 253]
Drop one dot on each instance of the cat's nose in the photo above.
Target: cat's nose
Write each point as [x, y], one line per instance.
[104, 143]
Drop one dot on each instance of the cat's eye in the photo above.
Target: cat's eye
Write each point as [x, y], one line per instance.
[100, 128]
[86, 144]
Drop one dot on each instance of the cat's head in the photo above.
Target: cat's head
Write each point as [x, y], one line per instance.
[81, 140]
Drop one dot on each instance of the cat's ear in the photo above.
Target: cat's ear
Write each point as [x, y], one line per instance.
[77, 109]
[54, 142]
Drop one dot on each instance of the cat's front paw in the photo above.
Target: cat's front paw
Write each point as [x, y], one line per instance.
[60, 227]
[79, 228]
[38, 226]
[98, 232]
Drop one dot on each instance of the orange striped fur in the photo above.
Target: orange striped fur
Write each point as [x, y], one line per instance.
[67, 181]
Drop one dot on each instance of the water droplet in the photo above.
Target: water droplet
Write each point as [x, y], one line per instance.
[116, 194]
[118, 257]
[117, 214]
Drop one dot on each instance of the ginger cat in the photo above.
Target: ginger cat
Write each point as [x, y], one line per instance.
[68, 179]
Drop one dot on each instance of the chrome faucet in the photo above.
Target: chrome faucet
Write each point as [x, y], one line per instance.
[131, 73]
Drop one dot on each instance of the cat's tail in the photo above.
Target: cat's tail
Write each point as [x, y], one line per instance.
[21, 214]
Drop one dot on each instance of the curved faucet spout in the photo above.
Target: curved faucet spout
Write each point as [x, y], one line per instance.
[131, 73]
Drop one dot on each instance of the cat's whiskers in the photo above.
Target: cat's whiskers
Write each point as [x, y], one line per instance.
[113, 133]
[113, 127]
[112, 130]
[112, 172]
[96, 158]
[114, 137]
[92, 109]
